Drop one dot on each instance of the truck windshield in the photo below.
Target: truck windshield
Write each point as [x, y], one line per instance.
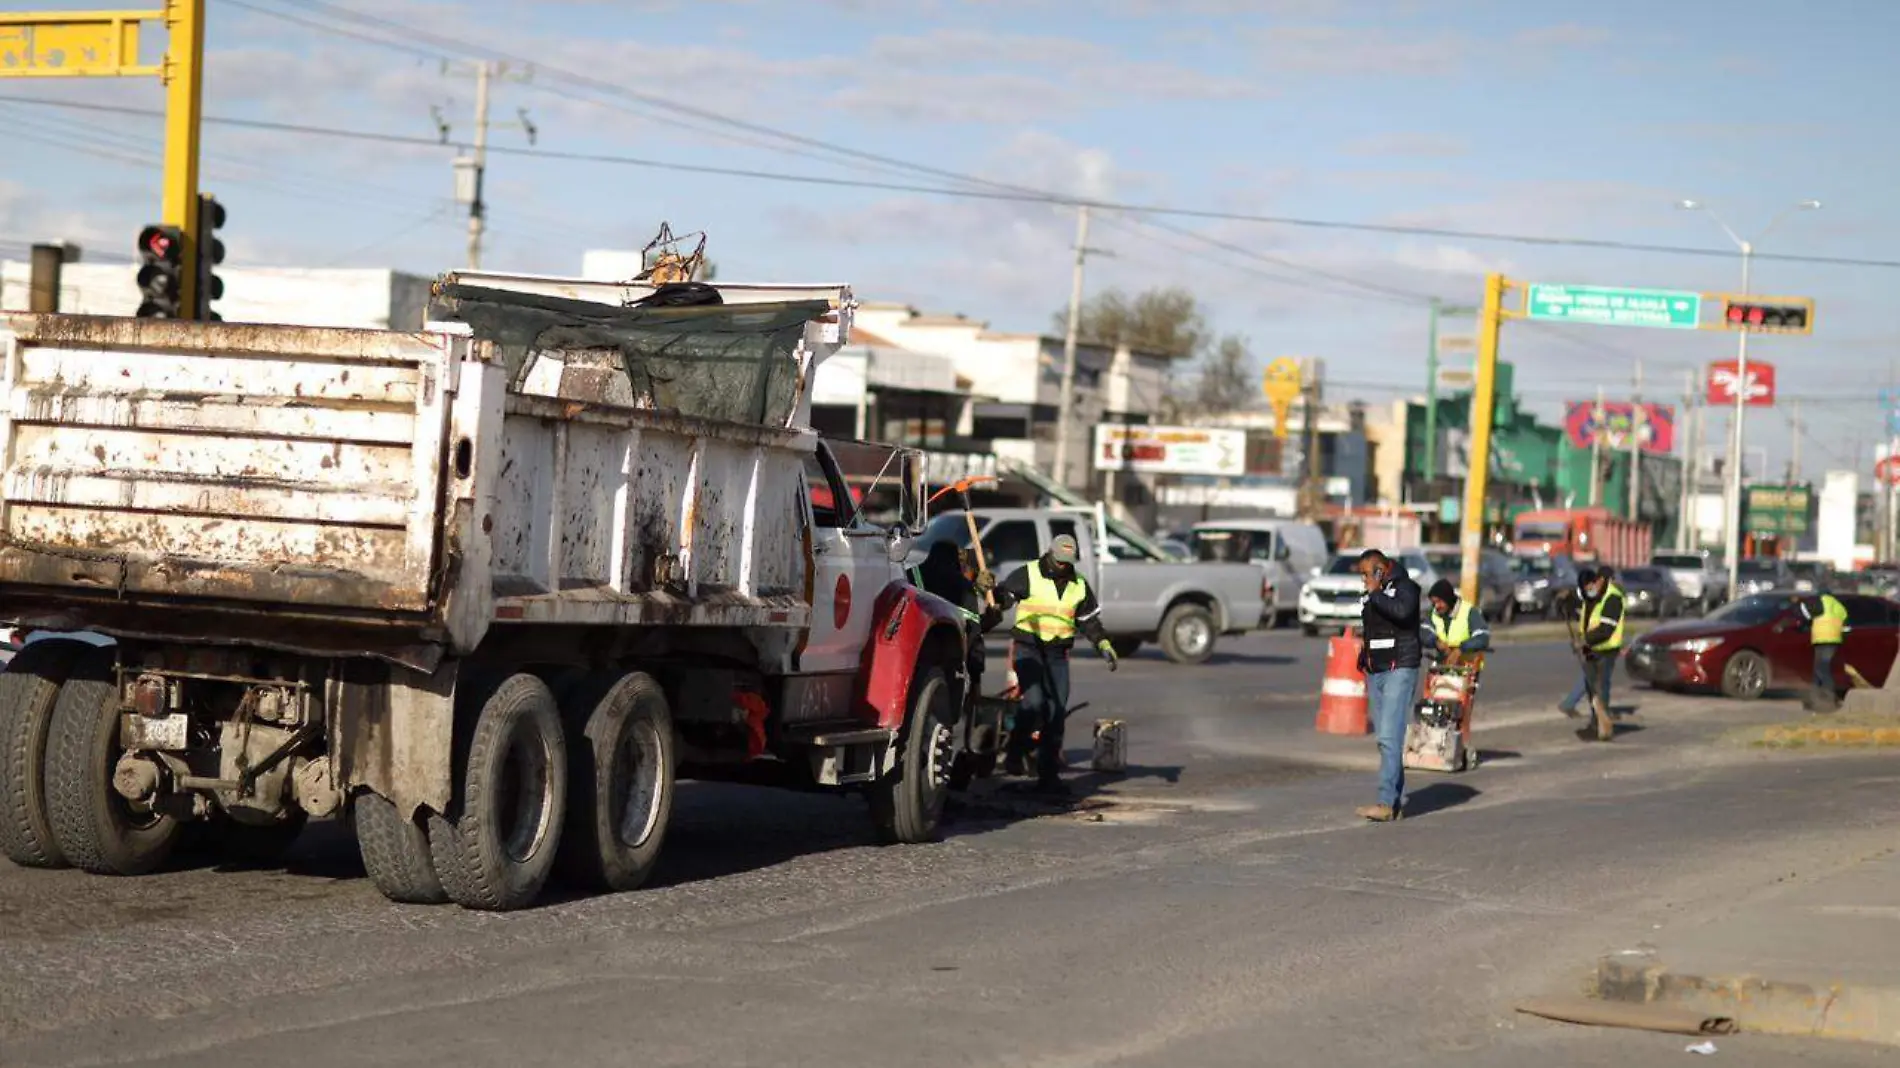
[1542, 532]
[1678, 563]
[1232, 546]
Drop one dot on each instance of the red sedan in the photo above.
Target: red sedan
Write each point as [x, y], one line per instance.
[1760, 643]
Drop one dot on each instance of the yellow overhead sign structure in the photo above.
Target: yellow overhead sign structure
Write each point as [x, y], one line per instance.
[1281, 384]
[105, 44]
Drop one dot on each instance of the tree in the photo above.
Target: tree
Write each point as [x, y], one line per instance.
[1228, 380]
[1166, 322]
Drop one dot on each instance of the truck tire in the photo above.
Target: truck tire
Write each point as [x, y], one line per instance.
[28, 691]
[396, 853]
[1125, 647]
[907, 805]
[1188, 633]
[620, 781]
[498, 850]
[96, 829]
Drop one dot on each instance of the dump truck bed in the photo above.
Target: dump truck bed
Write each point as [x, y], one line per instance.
[399, 493]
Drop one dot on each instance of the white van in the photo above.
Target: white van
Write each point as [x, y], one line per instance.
[1288, 550]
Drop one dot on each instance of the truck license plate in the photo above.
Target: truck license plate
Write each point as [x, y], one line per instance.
[159, 732]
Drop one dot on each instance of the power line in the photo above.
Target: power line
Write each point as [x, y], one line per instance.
[1055, 199]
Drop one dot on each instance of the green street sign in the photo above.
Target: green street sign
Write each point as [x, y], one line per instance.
[1603, 306]
[1776, 509]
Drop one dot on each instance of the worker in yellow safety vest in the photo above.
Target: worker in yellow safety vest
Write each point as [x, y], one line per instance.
[1052, 602]
[1457, 629]
[1598, 638]
[1826, 617]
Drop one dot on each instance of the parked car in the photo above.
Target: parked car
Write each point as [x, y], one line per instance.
[1331, 596]
[1761, 576]
[1808, 575]
[1700, 578]
[1540, 578]
[1497, 578]
[1288, 550]
[1759, 642]
[1183, 607]
[1650, 591]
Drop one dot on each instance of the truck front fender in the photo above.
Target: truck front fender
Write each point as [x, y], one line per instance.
[909, 628]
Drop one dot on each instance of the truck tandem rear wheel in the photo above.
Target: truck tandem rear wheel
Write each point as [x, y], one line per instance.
[907, 805]
[620, 781]
[1188, 633]
[28, 691]
[396, 852]
[96, 829]
[498, 849]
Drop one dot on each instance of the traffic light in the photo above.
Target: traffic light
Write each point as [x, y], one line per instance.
[161, 272]
[1775, 316]
[210, 254]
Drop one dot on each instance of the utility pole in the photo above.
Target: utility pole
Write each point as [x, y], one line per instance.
[1596, 455]
[471, 170]
[1065, 404]
[1692, 433]
[1431, 396]
[1311, 485]
[1636, 446]
[477, 208]
[1794, 450]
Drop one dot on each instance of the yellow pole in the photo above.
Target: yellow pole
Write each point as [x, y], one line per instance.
[1478, 466]
[184, 100]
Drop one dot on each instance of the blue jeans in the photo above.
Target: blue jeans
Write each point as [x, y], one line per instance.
[1389, 697]
[1603, 668]
[1824, 670]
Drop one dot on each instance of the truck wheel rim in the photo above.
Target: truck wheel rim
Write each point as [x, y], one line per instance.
[1192, 635]
[636, 777]
[525, 803]
[942, 755]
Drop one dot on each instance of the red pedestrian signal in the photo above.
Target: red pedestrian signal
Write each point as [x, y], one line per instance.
[161, 272]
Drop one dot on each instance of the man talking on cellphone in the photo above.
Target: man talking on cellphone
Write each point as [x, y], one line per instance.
[1390, 659]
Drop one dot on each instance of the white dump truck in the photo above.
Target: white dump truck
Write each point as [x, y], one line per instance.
[485, 590]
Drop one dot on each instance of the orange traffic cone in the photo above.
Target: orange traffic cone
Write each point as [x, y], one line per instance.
[1342, 697]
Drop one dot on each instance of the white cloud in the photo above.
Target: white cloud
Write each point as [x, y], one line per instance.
[1408, 143]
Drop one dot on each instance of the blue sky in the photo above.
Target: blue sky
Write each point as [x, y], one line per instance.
[1545, 120]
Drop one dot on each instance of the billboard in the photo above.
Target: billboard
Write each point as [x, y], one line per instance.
[1658, 427]
[1170, 450]
[1776, 509]
[1725, 378]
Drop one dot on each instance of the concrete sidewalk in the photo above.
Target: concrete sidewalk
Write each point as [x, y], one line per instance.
[1817, 955]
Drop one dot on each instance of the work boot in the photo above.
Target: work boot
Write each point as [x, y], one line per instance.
[1015, 766]
[1380, 813]
[1606, 727]
[1050, 786]
[1569, 710]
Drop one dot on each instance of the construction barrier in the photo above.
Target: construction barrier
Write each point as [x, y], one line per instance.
[1342, 697]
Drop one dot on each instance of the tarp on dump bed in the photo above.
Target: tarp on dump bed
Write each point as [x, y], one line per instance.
[732, 362]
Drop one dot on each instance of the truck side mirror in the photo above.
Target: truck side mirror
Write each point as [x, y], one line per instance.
[913, 509]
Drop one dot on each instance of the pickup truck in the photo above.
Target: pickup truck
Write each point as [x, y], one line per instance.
[1700, 578]
[484, 590]
[1183, 607]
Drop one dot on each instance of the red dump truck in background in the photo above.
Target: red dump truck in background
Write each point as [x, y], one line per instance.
[1588, 535]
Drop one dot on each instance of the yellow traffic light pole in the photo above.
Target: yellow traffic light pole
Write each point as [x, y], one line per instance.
[105, 44]
[1483, 405]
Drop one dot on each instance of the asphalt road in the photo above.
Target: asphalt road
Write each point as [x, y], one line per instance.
[1181, 916]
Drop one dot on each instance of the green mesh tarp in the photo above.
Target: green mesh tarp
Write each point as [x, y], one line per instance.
[720, 361]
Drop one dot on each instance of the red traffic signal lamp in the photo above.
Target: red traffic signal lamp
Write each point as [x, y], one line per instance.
[1776, 315]
[161, 272]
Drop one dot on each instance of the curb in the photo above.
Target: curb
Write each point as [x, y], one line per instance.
[1795, 737]
[1545, 631]
[1764, 1006]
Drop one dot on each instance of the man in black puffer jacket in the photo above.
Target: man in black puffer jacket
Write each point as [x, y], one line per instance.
[1390, 658]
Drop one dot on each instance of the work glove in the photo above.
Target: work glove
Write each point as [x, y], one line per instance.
[985, 581]
[1108, 654]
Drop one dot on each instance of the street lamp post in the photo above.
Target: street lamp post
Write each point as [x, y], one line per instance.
[1732, 506]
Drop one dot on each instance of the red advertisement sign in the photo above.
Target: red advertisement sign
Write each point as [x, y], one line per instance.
[1725, 383]
[1657, 430]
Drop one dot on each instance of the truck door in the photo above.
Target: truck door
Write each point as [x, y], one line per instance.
[851, 566]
